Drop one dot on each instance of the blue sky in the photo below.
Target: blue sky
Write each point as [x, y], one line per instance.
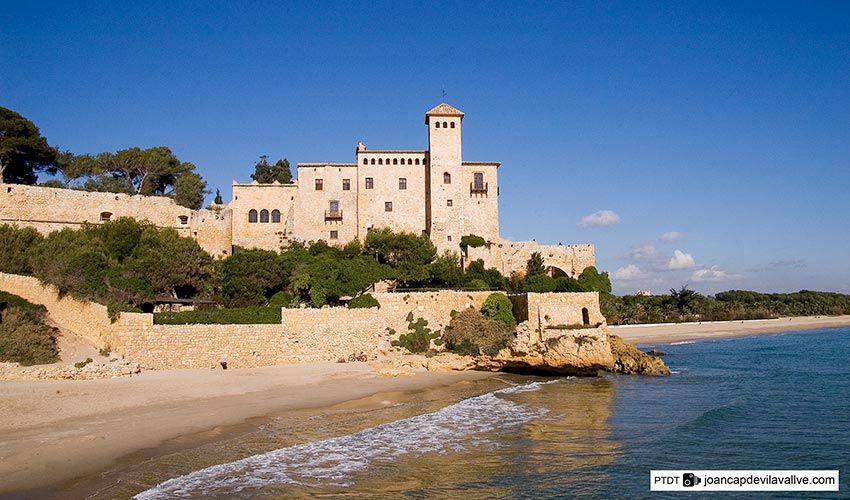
[725, 126]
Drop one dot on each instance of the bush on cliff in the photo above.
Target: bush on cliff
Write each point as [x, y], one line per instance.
[15, 245]
[498, 307]
[471, 333]
[364, 301]
[418, 338]
[24, 336]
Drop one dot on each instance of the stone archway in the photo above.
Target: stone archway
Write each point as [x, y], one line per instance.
[556, 272]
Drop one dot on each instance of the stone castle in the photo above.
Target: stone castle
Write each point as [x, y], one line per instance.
[434, 192]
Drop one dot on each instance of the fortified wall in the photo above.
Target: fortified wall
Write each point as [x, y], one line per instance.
[510, 256]
[303, 336]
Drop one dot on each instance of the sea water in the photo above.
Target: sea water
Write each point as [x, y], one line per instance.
[764, 402]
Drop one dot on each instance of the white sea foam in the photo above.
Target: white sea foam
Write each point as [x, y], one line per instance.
[684, 342]
[455, 428]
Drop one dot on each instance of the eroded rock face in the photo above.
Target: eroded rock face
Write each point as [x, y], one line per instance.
[631, 360]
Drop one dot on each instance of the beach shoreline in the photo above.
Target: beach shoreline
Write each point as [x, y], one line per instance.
[667, 333]
[52, 432]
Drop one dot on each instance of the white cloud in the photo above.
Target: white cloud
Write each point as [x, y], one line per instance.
[628, 273]
[713, 274]
[681, 260]
[600, 218]
[673, 236]
[643, 252]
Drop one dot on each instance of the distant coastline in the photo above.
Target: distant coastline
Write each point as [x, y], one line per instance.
[666, 333]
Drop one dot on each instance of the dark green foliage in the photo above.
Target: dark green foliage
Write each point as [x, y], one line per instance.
[24, 336]
[540, 283]
[328, 276]
[407, 253]
[240, 315]
[446, 272]
[471, 333]
[472, 240]
[477, 285]
[189, 190]
[687, 305]
[418, 338]
[266, 174]
[218, 200]
[15, 245]
[534, 266]
[363, 302]
[23, 151]
[592, 280]
[492, 277]
[250, 278]
[81, 364]
[498, 307]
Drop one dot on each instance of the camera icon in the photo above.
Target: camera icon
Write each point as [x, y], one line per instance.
[689, 480]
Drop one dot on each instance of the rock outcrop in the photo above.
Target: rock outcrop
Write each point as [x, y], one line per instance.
[629, 359]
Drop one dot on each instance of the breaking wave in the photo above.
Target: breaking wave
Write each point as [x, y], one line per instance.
[454, 428]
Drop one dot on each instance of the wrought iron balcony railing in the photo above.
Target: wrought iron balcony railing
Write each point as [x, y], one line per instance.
[333, 214]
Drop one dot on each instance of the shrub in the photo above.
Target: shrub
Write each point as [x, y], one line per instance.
[472, 240]
[25, 339]
[235, 316]
[364, 301]
[470, 333]
[478, 284]
[418, 338]
[498, 307]
[15, 244]
[81, 364]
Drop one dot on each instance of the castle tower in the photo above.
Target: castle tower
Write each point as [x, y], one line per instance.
[444, 210]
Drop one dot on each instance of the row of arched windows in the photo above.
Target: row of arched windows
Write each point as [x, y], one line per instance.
[263, 216]
[445, 125]
[394, 161]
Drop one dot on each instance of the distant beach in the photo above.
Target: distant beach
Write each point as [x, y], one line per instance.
[666, 333]
[53, 431]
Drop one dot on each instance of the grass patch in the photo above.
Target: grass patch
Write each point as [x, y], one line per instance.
[236, 316]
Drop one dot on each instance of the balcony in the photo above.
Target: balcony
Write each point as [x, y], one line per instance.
[478, 188]
[333, 215]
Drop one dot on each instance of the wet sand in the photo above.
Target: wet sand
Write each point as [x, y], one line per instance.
[54, 431]
[665, 333]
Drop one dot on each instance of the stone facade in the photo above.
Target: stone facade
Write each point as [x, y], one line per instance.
[304, 335]
[432, 191]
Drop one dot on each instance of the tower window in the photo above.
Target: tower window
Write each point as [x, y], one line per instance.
[252, 216]
[104, 216]
[319, 184]
[402, 183]
[438, 125]
[387, 161]
[264, 215]
[417, 161]
[448, 203]
[365, 161]
[424, 161]
[449, 238]
[346, 184]
[447, 178]
[453, 124]
[373, 161]
[445, 125]
[370, 183]
[380, 161]
[334, 235]
[410, 161]
[184, 219]
[478, 178]
[276, 216]
[333, 206]
[395, 161]
[388, 206]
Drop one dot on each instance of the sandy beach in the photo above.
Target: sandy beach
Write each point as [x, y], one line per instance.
[53, 431]
[665, 333]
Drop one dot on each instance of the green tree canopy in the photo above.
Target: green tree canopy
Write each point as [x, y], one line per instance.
[264, 173]
[534, 266]
[24, 152]
[407, 253]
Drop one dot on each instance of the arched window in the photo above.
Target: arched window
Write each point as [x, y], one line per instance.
[264, 215]
[276, 216]
[373, 161]
[380, 161]
[417, 161]
[453, 124]
[184, 219]
[445, 125]
[410, 161]
[447, 178]
[252, 216]
[105, 216]
[424, 161]
[387, 161]
[438, 125]
[395, 161]
[365, 161]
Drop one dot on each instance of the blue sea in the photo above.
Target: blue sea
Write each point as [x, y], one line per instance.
[764, 402]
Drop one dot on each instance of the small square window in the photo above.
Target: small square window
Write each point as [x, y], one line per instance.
[346, 184]
[388, 206]
[450, 238]
[334, 235]
[319, 184]
[402, 183]
[370, 183]
[448, 203]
